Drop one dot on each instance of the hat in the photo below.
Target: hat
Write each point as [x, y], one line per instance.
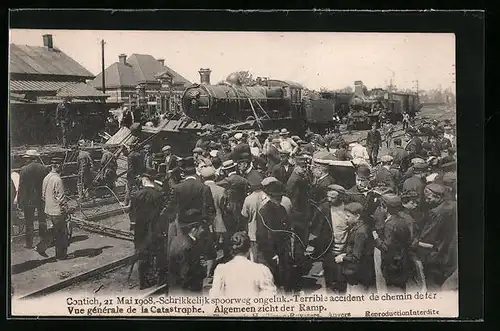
[436, 188]
[31, 153]
[224, 136]
[392, 199]
[268, 180]
[354, 207]
[197, 150]
[386, 158]
[337, 188]
[187, 163]
[166, 148]
[276, 141]
[207, 172]
[238, 136]
[149, 173]
[276, 131]
[432, 159]
[213, 152]
[363, 171]
[274, 187]
[417, 160]
[147, 146]
[255, 180]
[229, 164]
[420, 166]
[81, 142]
[284, 132]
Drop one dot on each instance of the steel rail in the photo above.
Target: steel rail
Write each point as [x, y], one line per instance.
[56, 287]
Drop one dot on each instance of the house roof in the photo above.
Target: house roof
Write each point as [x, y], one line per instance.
[79, 90]
[139, 68]
[38, 60]
[36, 85]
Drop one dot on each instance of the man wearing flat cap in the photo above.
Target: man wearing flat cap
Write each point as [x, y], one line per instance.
[400, 156]
[417, 182]
[393, 242]
[437, 243]
[145, 208]
[273, 154]
[170, 160]
[386, 175]
[328, 237]
[135, 167]
[236, 191]
[357, 261]
[185, 271]
[273, 244]
[56, 210]
[30, 195]
[85, 165]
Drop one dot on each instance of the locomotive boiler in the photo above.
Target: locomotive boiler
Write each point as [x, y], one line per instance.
[271, 103]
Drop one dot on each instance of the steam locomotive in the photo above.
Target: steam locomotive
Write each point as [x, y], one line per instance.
[272, 104]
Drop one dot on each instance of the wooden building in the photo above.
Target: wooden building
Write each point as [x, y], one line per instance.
[40, 78]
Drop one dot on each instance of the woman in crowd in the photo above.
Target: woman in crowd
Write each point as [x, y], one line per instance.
[241, 277]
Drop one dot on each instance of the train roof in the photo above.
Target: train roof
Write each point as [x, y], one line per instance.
[278, 82]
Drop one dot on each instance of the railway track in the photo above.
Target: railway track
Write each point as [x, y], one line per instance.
[81, 277]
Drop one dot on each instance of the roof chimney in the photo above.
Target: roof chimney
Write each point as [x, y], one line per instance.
[205, 76]
[359, 88]
[162, 62]
[122, 58]
[47, 41]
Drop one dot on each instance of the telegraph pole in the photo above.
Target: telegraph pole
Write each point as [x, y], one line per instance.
[102, 67]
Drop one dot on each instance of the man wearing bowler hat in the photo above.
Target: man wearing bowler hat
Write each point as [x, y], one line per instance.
[273, 242]
[145, 208]
[185, 271]
[283, 170]
[30, 195]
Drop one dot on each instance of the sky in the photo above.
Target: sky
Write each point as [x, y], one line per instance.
[314, 59]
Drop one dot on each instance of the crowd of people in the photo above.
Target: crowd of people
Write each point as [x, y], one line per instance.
[251, 214]
[275, 205]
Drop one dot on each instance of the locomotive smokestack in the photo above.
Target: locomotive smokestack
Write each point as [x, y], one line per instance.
[359, 88]
[205, 76]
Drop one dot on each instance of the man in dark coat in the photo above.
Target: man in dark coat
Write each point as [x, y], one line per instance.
[273, 154]
[135, 167]
[386, 175]
[436, 245]
[145, 208]
[373, 144]
[357, 261]
[394, 244]
[321, 174]
[298, 189]
[414, 145]
[416, 183]
[400, 156]
[185, 271]
[85, 165]
[273, 242]
[236, 188]
[192, 194]
[30, 195]
[283, 170]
